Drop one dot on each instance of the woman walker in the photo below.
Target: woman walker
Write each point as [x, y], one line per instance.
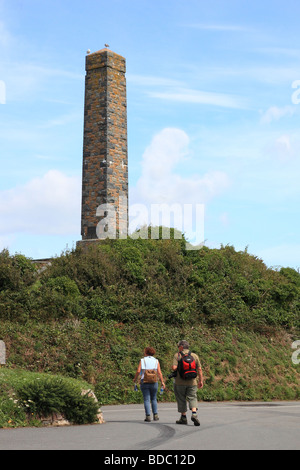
[149, 371]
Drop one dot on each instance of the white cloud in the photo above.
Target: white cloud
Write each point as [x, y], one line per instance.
[46, 205]
[274, 114]
[284, 142]
[167, 148]
[161, 183]
[285, 149]
[162, 180]
[185, 95]
[178, 91]
[165, 195]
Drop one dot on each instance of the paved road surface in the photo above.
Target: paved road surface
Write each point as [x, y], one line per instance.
[223, 426]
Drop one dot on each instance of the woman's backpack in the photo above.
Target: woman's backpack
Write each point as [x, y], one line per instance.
[150, 375]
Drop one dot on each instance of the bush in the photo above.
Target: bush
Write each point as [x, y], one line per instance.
[46, 396]
[145, 279]
[15, 271]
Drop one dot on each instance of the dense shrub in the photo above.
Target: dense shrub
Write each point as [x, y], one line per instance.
[145, 279]
[15, 271]
[45, 396]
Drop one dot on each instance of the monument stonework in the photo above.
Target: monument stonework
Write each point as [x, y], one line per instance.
[105, 154]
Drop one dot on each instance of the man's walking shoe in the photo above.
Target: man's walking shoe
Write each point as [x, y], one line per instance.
[155, 417]
[195, 419]
[147, 419]
[182, 420]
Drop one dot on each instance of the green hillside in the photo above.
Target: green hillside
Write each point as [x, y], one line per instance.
[90, 314]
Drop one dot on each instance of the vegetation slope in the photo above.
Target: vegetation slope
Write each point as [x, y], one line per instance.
[90, 314]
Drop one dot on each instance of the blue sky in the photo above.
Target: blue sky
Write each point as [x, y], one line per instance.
[209, 93]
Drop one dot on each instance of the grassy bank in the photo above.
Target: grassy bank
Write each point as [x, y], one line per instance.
[89, 316]
[237, 365]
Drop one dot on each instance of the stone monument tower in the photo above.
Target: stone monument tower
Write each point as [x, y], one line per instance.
[104, 209]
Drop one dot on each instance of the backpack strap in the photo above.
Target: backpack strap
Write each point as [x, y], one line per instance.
[183, 355]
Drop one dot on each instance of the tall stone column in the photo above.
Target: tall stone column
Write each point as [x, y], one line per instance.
[105, 158]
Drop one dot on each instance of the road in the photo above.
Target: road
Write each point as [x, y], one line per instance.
[230, 426]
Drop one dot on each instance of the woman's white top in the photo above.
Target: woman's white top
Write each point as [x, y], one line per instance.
[148, 362]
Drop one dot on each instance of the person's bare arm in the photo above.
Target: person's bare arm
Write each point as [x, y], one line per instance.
[160, 376]
[138, 371]
[200, 377]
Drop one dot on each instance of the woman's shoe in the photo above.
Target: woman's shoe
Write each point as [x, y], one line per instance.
[155, 417]
[147, 419]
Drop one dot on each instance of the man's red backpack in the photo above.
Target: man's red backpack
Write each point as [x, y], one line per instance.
[187, 367]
